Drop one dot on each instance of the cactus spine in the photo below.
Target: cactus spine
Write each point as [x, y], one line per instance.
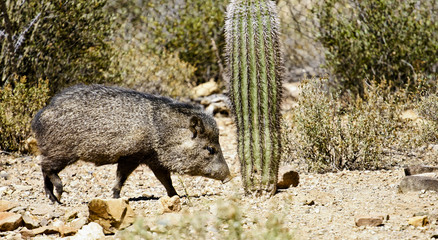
[255, 72]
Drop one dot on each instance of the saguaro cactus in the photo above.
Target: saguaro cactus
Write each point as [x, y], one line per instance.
[255, 72]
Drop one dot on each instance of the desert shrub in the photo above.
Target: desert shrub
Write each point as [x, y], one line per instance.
[227, 223]
[427, 107]
[18, 105]
[186, 27]
[334, 132]
[63, 41]
[163, 74]
[389, 39]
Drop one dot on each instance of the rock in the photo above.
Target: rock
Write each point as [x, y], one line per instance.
[418, 183]
[45, 230]
[371, 221]
[216, 104]
[42, 210]
[67, 230]
[419, 221]
[205, 89]
[111, 214]
[4, 175]
[418, 169]
[92, 231]
[30, 222]
[409, 115]
[78, 223]
[10, 221]
[170, 204]
[287, 177]
[26, 233]
[6, 205]
[292, 89]
[71, 215]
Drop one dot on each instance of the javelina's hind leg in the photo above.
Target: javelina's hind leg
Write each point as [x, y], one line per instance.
[52, 179]
[163, 176]
[51, 168]
[124, 168]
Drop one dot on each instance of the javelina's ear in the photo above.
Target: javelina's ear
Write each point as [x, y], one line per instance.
[196, 126]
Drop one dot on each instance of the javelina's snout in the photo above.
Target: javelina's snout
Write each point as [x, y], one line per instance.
[218, 169]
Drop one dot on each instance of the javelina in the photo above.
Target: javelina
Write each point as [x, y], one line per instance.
[108, 125]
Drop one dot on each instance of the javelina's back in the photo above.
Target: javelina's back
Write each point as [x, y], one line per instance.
[97, 123]
[107, 125]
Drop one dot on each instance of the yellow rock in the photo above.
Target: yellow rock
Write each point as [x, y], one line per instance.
[170, 204]
[419, 221]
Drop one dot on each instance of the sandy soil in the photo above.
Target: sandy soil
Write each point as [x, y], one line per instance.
[323, 206]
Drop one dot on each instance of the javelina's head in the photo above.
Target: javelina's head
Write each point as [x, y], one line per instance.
[195, 148]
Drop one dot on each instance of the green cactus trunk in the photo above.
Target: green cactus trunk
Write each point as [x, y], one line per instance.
[255, 71]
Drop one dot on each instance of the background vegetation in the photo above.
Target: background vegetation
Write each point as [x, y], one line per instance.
[384, 50]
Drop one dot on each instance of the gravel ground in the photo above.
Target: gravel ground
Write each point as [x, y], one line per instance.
[323, 206]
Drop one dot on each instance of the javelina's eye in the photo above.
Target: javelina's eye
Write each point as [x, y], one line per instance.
[210, 149]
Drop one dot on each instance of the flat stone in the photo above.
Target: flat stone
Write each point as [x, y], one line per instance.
[111, 214]
[417, 183]
[419, 221]
[418, 169]
[6, 205]
[78, 223]
[10, 221]
[30, 222]
[45, 230]
[371, 221]
[43, 209]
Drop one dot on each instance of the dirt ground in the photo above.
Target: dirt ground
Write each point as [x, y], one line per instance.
[323, 206]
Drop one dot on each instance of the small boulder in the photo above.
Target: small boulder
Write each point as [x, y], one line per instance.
[30, 222]
[287, 177]
[371, 221]
[170, 204]
[6, 205]
[205, 89]
[111, 214]
[417, 183]
[10, 221]
[92, 231]
[419, 221]
[419, 169]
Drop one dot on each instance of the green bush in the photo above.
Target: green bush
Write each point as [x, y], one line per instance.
[18, 105]
[163, 74]
[63, 41]
[333, 133]
[387, 39]
[186, 27]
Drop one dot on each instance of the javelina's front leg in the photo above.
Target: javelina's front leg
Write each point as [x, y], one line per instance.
[163, 176]
[124, 168]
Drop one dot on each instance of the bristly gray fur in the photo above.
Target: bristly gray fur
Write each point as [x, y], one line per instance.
[109, 125]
